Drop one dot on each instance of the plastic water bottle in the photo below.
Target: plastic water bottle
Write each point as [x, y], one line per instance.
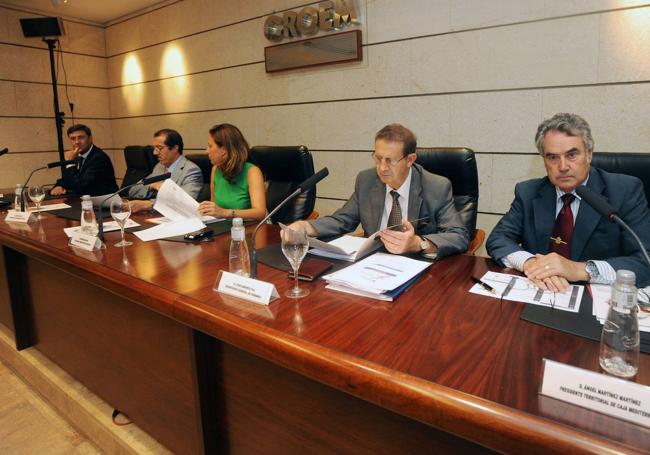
[18, 193]
[239, 258]
[88, 220]
[619, 344]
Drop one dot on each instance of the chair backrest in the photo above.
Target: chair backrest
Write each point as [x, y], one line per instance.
[635, 164]
[284, 168]
[140, 161]
[203, 162]
[458, 164]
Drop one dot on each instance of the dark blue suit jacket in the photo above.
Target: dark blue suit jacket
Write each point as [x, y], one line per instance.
[528, 225]
[96, 176]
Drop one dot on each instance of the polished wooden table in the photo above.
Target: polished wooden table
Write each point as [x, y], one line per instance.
[439, 370]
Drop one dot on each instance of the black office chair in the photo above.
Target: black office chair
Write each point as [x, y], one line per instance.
[140, 161]
[203, 162]
[458, 164]
[284, 168]
[635, 164]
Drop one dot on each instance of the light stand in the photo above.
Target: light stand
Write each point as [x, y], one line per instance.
[58, 115]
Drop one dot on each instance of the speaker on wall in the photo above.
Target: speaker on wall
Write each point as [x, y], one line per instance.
[42, 27]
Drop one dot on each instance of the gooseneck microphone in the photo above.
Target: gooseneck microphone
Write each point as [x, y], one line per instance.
[47, 166]
[146, 181]
[605, 209]
[309, 183]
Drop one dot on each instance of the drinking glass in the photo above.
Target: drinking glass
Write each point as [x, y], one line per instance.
[36, 194]
[294, 246]
[121, 211]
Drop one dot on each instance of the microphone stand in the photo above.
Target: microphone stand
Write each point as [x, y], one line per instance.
[615, 218]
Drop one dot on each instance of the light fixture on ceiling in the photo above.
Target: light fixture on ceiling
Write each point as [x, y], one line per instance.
[59, 2]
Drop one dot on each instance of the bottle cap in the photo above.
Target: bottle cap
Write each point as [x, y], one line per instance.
[626, 277]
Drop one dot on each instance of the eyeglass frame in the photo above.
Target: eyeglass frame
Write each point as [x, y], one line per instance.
[389, 161]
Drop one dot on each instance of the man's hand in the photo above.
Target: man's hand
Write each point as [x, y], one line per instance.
[140, 206]
[72, 154]
[553, 272]
[57, 191]
[155, 186]
[303, 225]
[399, 242]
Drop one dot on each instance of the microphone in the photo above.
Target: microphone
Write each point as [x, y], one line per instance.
[3, 151]
[146, 181]
[308, 184]
[63, 163]
[605, 209]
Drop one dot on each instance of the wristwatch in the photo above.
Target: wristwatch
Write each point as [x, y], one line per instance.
[592, 270]
[424, 245]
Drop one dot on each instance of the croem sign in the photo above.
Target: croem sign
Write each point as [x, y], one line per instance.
[330, 15]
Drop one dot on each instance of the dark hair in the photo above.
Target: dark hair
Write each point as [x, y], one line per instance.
[79, 127]
[229, 137]
[398, 133]
[570, 124]
[172, 138]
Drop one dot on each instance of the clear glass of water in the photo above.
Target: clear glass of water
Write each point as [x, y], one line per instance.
[36, 194]
[121, 211]
[294, 247]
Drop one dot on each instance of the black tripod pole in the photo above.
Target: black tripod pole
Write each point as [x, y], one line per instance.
[58, 115]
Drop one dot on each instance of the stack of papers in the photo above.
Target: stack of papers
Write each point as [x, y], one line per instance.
[348, 247]
[179, 207]
[108, 227]
[521, 289]
[601, 294]
[381, 276]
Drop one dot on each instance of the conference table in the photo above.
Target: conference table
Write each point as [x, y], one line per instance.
[437, 370]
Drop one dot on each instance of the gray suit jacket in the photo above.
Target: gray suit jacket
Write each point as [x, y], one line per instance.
[187, 175]
[429, 196]
[528, 225]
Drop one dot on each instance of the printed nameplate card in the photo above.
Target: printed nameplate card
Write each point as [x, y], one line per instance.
[609, 395]
[85, 241]
[14, 216]
[245, 288]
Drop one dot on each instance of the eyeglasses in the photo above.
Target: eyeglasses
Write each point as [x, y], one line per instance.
[389, 161]
[571, 155]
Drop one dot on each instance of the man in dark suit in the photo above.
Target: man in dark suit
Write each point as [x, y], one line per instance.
[553, 236]
[94, 175]
[395, 191]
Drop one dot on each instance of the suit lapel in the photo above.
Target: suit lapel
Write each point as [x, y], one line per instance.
[587, 218]
[544, 216]
[415, 198]
[377, 195]
[178, 169]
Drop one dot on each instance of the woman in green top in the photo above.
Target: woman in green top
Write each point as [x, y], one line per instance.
[236, 186]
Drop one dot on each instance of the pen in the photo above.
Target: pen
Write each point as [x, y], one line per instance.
[483, 284]
[410, 221]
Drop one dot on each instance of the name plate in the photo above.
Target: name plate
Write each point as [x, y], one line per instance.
[14, 216]
[245, 288]
[609, 395]
[85, 241]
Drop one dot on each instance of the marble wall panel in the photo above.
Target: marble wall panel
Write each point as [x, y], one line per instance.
[24, 64]
[507, 171]
[11, 171]
[618, 114]
[560, 7]
[487, 223]
[465, 14]
[8, 97]
[624, 53]
[326, 207]
[389, 20]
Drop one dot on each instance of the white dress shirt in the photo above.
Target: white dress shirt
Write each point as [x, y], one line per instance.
[403, 200]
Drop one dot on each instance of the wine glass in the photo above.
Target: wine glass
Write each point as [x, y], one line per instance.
[294, 247]
[121, 211]
[36, 194]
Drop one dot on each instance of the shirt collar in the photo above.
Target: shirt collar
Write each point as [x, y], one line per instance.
[85, 155]
[172, 167]
[404, 189]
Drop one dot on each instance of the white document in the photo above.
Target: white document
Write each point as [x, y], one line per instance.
[207, 219]
[47, 207]
[179, 207]
[521, 289]
[376, 275]
[108, 227]
[348, 247]
[600, 294]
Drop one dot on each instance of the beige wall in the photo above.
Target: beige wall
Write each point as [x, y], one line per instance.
[480, 74]
[27, 112]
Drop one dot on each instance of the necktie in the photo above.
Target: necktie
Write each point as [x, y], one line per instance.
[563, 228]
[395, 217]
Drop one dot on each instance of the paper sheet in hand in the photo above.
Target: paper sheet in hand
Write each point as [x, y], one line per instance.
[521, 289]
[600, 294]
[376, 276]
[347, 247]
[207, 219]
[108, 227]
[179, 207]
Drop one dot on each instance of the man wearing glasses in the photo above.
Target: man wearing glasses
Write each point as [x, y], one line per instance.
[168, 147]
[395, 191]
[553, 237]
